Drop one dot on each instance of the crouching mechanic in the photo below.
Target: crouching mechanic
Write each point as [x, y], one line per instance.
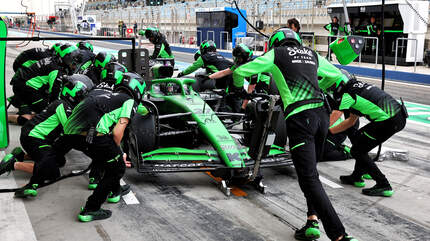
[161, 46]
[39, 134]
[294, 69]
[386, 116]
[87, 54]
[96, 127]
[100, 62]
[35, 87]
[30, 56]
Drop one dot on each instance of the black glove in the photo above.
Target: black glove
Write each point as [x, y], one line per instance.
[240, 92]
[180, 74]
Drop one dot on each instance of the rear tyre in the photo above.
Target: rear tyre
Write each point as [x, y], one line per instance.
[281, 131]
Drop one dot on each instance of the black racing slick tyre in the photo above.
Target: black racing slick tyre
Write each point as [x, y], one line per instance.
[143, 136]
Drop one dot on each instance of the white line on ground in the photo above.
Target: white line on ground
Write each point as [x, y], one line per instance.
[130, 198]
[418, 123]
[329, 183]
[419, 113]
[416, 108]
[14, 221]
[398, 82]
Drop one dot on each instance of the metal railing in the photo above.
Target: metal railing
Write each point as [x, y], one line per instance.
[213, 35]
[397, 48]
[226, 40]
[377, 50]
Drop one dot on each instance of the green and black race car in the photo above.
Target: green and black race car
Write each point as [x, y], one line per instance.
[182, 133]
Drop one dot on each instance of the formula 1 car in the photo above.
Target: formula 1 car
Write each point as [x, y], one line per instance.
[182, 133]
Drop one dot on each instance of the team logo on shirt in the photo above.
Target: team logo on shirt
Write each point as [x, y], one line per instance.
[294, 51]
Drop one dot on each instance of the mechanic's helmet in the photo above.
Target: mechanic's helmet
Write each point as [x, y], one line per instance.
[152, 34]
[71, 57]
[112, 73]
[284, 36]
[132, 84]
[242, 54]
[207, 46]
[102, 59]
[85, 45]
[75, 88]
[55, 48]
[197, 55]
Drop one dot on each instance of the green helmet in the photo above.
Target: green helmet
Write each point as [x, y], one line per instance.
[85, 45]
[207, 46]
[71, 57]
[151, 33]
[242, 54]
[55, 48]
[75, 88]
[284, 36]
[102, 59]
[133, 84]
[112, 73]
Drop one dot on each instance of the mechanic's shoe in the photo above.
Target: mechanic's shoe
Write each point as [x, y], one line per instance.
[379, 190]
[310, 231]
[347, 151]
[18, 153]
[350, 180]
[7, 163]
[346, 237]
[88, 216]
[93, 183]
[115, 197]
[367, 177]
[28, 190]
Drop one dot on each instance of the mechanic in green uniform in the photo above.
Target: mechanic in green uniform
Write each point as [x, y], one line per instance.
[38, 85]
[39, 134]
[109, 76]
[294, 69]
[30, 56]
[333, 28]
[260, 82]
[372, 30]
[99, 63]
[87, 54]
[161, 46]
[386, 116]
[96, 127]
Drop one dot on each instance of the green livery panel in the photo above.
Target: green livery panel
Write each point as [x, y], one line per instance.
[186, 100]
[4, 135]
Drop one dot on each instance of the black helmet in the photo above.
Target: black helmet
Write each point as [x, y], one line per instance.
[102, 59]
[71, 57]
[152, 34]
[242, 54]
[133, 84]
[207, 46]
[112, 73]
[75, 88]
[284, 36]
[85, 45]
[197, 55]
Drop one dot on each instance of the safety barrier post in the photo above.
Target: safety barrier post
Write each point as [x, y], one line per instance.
[220, 39]
[397, 47]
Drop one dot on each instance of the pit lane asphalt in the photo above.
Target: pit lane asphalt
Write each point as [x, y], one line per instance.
[189, 206]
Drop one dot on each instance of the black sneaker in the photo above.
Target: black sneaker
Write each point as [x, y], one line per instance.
[310, 231]
[28, 190]
[346, 237]
[18, 153]
[350, 180]
[7, 163]
[115, 197]
[379, 190]
[88, 216]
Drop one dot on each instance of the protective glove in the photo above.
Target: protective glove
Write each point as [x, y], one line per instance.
[180, 74]
[142, 32]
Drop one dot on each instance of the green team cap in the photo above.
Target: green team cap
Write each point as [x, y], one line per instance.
[72, 92]
[208, 44]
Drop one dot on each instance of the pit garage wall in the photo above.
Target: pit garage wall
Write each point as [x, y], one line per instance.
[415, 27]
